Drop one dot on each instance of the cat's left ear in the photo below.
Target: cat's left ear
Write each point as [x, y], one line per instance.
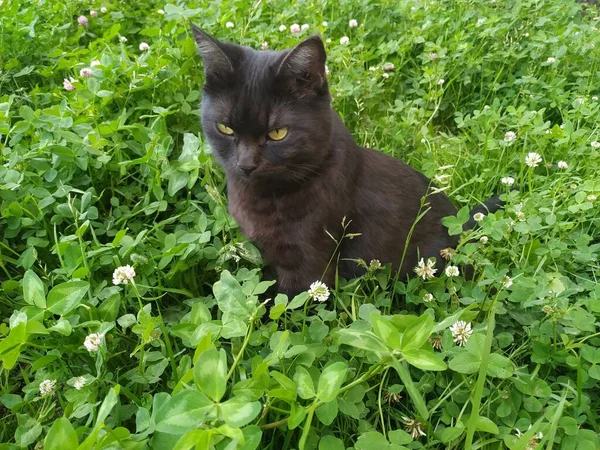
[217, 62]
[305, 65]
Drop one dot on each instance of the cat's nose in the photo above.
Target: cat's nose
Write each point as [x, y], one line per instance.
[247, 168]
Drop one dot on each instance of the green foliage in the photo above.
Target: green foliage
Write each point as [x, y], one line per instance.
[194, 352]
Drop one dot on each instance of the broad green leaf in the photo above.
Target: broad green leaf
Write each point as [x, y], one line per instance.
[451, 433]
[195, 439]
[330, 381]
[239, 411]
[252, 437]
[304, 382]
[330, 442]
[33, 290]
[328, 412]
[399, 437]
[371, 440]
[465, 362]
[385, 330]
[298, 301]
[61, 436]
[362, 340]
[210, 373]
[10, 346]
[183, 412]
[65, 297]
[411, 388]
[108, 404]
[297, 414]
[424, 360]
[499, 366]
[416, 333]
[485, 424]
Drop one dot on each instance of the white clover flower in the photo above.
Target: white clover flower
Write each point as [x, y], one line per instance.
[103, 10]
[385, 75]
[388, 66]
[93, 341]
[433, 56]
[95, 63]
[83, 21]
[304, 27]
[264, 45]
[229, 25]
[93, 13]
[595, 98]
[373, 68]
[328, 40]
[510, 136]
[161, 11]
[295, 28]
[427, 298]
[441, 81]
[426, 270]
[86, 72]
[123, 39]
[509, 181]
[562, 165]
[452, 271]
[282, 28]
[352, 23]
[345, 40]
[324, 23]
[79, 383]
[480, 21]
[68, 84]
[374, 265]
[442, 178]
[533, 159]
[414, 427]
[478, 217]
[123, 274]
[144, 47]
[47, 387]
[319, 291]
[484, 239]
[447, 253]
[551, 60]
[591, 198]
[507, 281]
[461, 332]
[595, 144]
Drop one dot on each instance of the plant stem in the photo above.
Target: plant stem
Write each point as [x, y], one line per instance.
[471, 426]
[241, 352]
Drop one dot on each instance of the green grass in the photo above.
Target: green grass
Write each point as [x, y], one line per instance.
[116, 172]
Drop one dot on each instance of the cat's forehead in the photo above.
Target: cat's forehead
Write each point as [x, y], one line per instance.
[251, 101]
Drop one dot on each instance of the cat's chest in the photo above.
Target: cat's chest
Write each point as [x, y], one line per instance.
[264, 219]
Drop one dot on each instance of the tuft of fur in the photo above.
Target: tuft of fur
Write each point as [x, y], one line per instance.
[305, 184]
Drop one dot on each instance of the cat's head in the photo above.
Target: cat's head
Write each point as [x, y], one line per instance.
[266, 114]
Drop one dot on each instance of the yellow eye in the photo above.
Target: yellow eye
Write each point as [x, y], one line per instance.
[224, 129]
[278, 134]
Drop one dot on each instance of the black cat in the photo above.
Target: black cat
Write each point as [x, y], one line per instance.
[294, 171]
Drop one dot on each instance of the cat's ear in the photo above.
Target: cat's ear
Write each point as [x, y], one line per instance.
[305, 65]
[216, 61]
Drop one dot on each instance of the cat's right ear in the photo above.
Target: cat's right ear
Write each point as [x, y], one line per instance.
[216, 62]
[305, 66]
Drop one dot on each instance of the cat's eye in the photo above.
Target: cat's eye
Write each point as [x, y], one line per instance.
[278, 134]
[224, 129]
